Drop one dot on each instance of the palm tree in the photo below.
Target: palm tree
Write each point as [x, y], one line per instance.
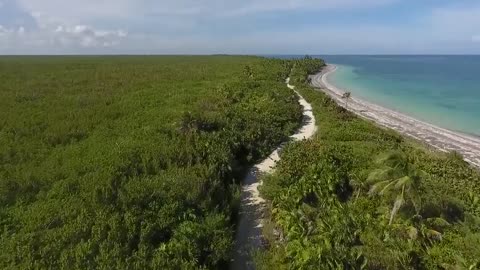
[398, 178]
[346, 96]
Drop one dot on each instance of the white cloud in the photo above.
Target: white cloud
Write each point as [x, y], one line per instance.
[87, 36]
[4, 31]
[73, 23]
[54, 36]
[193, 26]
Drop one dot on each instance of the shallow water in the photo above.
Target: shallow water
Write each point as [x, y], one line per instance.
[442, 90]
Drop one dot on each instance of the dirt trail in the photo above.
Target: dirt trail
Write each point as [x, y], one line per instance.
[249, 231]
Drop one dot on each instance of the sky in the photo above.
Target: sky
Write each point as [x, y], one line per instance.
[239, 27]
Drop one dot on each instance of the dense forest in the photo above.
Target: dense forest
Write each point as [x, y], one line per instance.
[132, 162]
[358, 196]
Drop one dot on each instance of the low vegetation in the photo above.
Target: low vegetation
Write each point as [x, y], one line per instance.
[358, 196]
[132, 162]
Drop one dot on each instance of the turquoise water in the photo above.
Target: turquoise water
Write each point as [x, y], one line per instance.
[442, 90]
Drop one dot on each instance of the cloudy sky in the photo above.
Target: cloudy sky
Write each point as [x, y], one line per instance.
[240, 27]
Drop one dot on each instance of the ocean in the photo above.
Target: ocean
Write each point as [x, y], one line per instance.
[441, 90]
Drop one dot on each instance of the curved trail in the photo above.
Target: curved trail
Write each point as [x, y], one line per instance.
[249, 232]
[440, 138]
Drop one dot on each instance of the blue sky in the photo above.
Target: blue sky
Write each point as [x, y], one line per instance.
[240, 27]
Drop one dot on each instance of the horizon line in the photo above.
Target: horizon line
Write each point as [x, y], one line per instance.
[240, 54]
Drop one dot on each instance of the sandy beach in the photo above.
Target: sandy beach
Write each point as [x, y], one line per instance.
[440, 138]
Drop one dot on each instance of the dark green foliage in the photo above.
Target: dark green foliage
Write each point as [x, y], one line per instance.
[332, 199]
[306, 65]
[131, 162]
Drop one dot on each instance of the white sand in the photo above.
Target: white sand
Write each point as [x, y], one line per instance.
[440, 138]
[249, 231]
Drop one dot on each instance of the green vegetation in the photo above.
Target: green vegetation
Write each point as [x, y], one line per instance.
[134, 163]
[361, 197]
[131, 162]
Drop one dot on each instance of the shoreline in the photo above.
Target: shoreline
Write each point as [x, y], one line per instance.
[440, 138]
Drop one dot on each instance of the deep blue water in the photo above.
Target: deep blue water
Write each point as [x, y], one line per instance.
[442, 90]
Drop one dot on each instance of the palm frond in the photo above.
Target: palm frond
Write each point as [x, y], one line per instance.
[380, 185]
[393, 159]
[387, 188]
[379, 175]
[396, 206]
[402, 182]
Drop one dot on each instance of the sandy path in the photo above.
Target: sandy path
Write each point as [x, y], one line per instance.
[249, 231]
[440, 138]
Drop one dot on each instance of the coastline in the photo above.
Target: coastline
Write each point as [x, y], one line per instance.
[440, 138]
